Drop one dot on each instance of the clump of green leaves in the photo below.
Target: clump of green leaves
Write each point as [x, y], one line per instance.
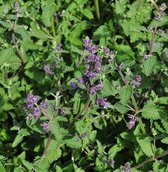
[106, 116]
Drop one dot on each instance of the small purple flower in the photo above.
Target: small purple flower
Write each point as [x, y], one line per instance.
[162, 7]
[84, 134]
[146, 57]
[111, 162]
[133, 120]
[74, 85]
[58, 47]
[94, 49]
[45, 126]
[127, 167]
[137, 81]
[87, 43]
[31, 100]
[106, 51]
[44, 104]
[102, 102]
[47, 69]
[36, 112]
[93, 90]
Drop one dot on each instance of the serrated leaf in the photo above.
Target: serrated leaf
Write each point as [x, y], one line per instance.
[55, 129]
[162, 100]
[74, 143]
[102, 31]
[146, 146]
[22, 133]
[165, 140]
[88, 13]
[149, 65]
[107, 90]
[150, 111]
[125, 94]
[48, 13]
[8, 56]
[76, 104]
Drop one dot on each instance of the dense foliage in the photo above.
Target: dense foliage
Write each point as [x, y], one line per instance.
[83, 86]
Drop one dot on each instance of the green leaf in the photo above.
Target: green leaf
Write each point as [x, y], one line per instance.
[19, 169]
[76, 104]
[87, 13]
[18, 139]
[125, 94]
[8, 56]
[107, 90]
[162, 100]
[2, 168]
[146, 146]
[55, 129]
[150, 111]
[48, 13]
[149, 65]
[102, 31]
[100, 147]
[165, 140]
[74, 143]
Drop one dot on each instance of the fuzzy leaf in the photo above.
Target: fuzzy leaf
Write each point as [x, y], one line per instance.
[146, 146]
[150, 111]
[125, 94]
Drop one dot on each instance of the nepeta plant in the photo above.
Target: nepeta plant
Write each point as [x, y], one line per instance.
[83, 89]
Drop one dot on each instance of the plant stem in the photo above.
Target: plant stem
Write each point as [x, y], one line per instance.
[53, 27]
[96, 2]
[150, 159]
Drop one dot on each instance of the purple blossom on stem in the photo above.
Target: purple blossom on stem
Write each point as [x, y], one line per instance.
[58, 47]
[48, 70]
[102, 102]
[36, 112]
[111, 162]
[133, 120]
[45, 126]
[74, 85]
[137, 81]
[95, 88]
[87, 43]
[146, 57]
[44, 104]
[31, 100]
[127, 167]
[161, 13]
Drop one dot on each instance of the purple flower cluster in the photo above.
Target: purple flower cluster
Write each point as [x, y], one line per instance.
[60, 111]
[87, 43]
[93, 66]
[95, 88]
[102, 102]
[45, 126]
[31, 100]
[48, 70]
[111, 162]
[127, 167]
[133, 120]
[74, 85]
[161, 13]
[137, 81]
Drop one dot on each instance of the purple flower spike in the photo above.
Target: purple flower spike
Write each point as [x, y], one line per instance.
[102, 102]
[87, 43]
[127, 167]
[36, 112]
[111, 162]
[47, 69]
[44, 104]
[31, 100]
[74, 85]
[133, 120]
[137, 81]
[45, 126]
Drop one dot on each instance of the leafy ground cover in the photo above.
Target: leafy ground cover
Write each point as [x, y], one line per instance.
[83, 86]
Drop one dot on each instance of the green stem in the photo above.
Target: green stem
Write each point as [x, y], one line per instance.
[53, 27]
[150, 159]
[96, 2]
